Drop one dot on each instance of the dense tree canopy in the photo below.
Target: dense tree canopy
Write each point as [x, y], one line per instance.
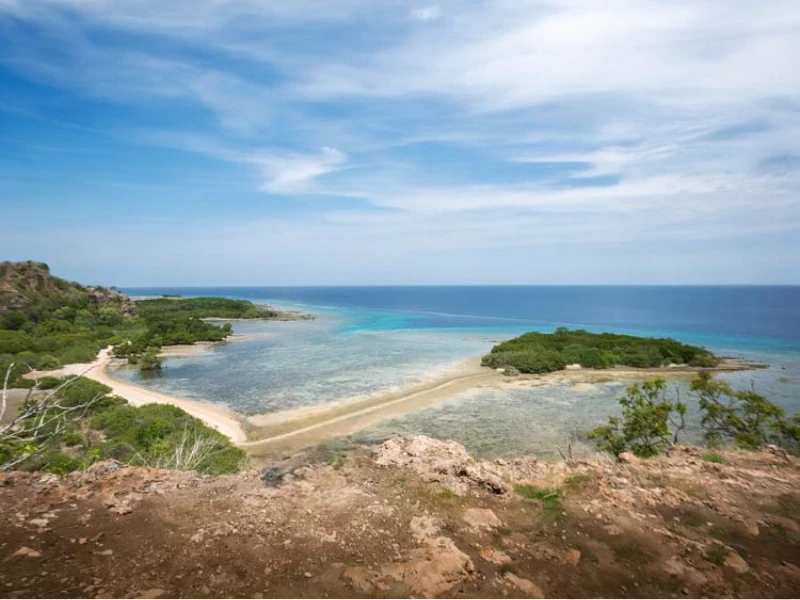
[47, 322]
[546, 352]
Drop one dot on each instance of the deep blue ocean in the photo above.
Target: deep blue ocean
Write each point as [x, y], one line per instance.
[369, 340]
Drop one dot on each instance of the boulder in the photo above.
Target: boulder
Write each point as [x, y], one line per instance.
[447, 463]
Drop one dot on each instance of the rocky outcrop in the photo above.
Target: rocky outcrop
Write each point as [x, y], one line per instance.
[23, 284]
[447, 463]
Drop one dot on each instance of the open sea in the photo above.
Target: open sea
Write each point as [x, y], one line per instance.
[370, 340]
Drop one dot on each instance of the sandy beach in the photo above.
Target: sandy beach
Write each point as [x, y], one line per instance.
[213, 415]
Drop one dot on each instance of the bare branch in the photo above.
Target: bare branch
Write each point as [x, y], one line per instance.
[5, 391]
[37, 415]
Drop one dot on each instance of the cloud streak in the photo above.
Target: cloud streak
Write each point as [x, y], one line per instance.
[491, 126]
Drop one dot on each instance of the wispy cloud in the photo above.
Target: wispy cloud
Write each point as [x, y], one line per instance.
[289, 173]
[459, 125]
[426, 13]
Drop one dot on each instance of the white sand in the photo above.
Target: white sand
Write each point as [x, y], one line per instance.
[217, 417]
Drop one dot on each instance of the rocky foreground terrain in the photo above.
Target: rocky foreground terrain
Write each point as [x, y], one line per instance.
[415, 517]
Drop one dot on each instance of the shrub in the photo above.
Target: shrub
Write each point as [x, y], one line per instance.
[150, 360]
[650, 421]
[54, 461]
[49, 383]
[13, 320]
[744, 417]
[165, 436]
[716, 554]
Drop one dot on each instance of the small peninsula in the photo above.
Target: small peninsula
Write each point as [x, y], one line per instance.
[47, 322]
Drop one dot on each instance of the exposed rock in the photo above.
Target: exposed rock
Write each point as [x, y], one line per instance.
[736, 563]
[629, 458]
[481, 518]
[572, 556]
[495, 556]
[153, 593]
[447, 463]
[274, 476]
[530, 589]
[424, 527]
[197, 538]
[22, 283]
[27, 552]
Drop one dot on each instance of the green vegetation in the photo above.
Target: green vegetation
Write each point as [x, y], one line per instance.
[47, 322]
[652, 421]
[717, 554]
[79, 423]
[549, 498]
[508, 568]
[547, 352]
[577, 479]
[203, 308]
[742, 416]
[713, 457]
[168, 321]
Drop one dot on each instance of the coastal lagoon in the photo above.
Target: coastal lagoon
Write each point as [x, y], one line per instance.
[366, 342]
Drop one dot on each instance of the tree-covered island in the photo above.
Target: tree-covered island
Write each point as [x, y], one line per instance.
[547, 352]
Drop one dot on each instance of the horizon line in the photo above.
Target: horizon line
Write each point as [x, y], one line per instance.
[457, 285]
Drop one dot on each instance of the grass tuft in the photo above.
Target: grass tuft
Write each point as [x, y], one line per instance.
[508, 568]
[549, 498]
[716, 554]
[713, 457]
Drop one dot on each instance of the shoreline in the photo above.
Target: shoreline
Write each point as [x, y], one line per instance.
[215, 416]
[293, 429]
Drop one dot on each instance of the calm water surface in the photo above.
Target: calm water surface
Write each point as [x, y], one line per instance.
[369, 340]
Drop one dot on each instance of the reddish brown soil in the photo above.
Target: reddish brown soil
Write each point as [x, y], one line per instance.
[669, 527]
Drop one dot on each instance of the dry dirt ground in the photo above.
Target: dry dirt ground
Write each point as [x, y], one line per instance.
[415, 517]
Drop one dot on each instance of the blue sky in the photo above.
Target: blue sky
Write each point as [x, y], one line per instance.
[258, 142]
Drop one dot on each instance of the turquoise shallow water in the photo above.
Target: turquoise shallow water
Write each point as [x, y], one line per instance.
[367, 341]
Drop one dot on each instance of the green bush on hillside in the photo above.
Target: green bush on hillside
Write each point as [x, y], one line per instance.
[106, 426]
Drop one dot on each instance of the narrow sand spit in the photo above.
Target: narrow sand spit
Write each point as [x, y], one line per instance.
[287, 431]
[292, 430]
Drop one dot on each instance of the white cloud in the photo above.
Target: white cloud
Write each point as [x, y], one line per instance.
[640, 92]
[426, 13]
[292, 173]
